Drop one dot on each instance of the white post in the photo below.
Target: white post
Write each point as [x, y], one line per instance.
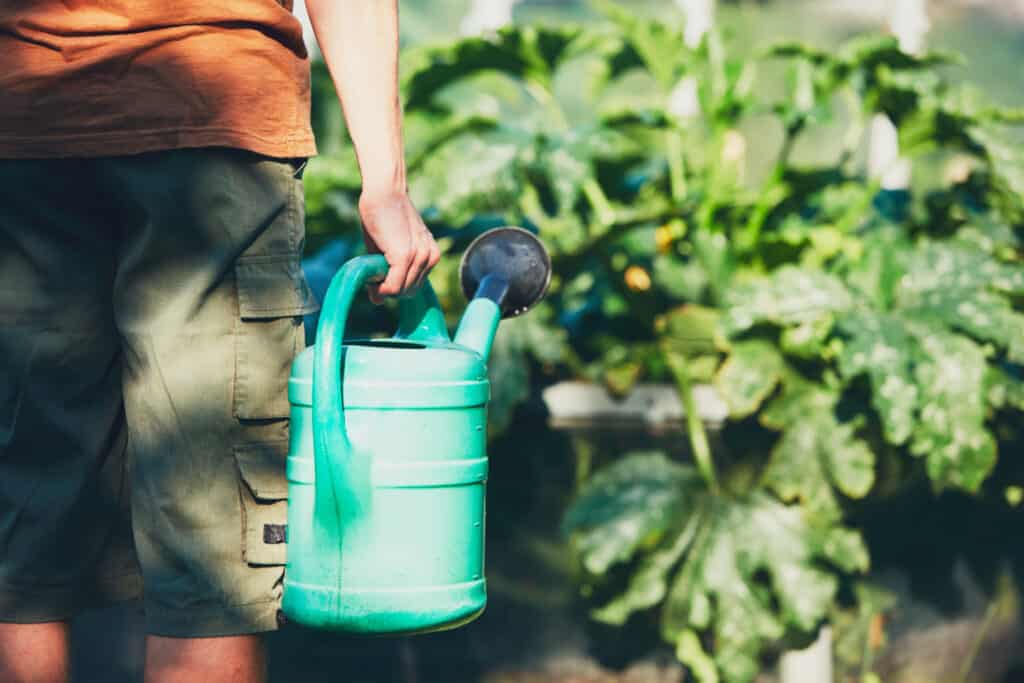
[908, 21]
[487, 16]
[700, 16]
[910, 24]
[813, 665]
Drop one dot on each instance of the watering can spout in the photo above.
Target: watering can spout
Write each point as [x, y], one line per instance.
[504, 272]
[479, 324]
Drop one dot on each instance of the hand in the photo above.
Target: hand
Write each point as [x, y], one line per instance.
[393, 227]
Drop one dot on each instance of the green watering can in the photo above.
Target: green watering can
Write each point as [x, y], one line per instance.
[387, 463]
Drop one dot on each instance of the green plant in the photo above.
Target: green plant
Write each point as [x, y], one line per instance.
[862, 339]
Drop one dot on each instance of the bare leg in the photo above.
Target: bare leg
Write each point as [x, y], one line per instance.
[231, 659]
[34, 653]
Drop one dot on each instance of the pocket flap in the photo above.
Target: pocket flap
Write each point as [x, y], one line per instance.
[264, 491]
[272, 287]
[263, 469]
[266, 533]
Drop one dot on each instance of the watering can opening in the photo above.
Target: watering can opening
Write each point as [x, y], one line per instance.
[385, 343]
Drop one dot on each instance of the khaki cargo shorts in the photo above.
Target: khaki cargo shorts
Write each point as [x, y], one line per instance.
[150, 307]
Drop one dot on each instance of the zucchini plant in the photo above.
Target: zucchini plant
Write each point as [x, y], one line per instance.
[862, 339]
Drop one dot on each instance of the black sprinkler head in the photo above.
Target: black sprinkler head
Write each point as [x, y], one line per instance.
[508, 265]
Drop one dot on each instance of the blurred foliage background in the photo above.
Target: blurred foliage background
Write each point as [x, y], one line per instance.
[716, 219]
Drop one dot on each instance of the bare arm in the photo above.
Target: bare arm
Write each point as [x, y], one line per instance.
[359, 42]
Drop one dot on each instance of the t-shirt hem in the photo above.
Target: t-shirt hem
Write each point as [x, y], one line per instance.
[127, 143]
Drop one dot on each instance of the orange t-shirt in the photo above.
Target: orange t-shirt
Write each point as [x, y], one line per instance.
[84, 78]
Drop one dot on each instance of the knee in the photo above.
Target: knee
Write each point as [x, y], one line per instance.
[34, 653]
[230, 659]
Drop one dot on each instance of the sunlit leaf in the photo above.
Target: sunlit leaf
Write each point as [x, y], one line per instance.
[737, 542]
[750, 373]
[951, 433]
[661, 48]
[816, 455]
[690, 652]
[879, 346]
[529, 53]
[789, 296]
[628, 506]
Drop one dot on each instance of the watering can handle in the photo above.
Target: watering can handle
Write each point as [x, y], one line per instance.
[419, 319]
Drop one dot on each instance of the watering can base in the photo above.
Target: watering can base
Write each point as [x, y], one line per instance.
[385, 612]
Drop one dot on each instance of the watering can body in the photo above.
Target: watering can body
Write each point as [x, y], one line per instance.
[387, 468]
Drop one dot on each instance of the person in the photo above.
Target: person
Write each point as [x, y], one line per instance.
[151, 228]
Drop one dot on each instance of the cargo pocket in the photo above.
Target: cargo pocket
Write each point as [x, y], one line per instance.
[264, 491]
[272, 298]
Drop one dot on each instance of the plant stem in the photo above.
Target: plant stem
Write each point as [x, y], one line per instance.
[674, 151]
[543, 96]
[603, 209]
[584, 453]
[752, 230]
[694, 425]
[855, 213]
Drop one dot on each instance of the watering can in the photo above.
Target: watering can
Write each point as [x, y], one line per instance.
[387, 463]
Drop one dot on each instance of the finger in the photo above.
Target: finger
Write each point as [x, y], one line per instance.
[399, 262]
[373, 291]
[435, 253]
[417, 266]
[433, 257]
[426, 242]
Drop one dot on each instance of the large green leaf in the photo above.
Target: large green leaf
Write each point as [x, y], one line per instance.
[789, 296]
[1004, 387]
[483, 174]
[879, 345]
[889, 79]
[817, 454]
[875, 275]
[629, 506]
[796, 49]
[750, 569]
[567, 159]
[874, 50]
[928, 387]
[426, 133]
[719, 587]
[529, 53]
[983, 315]
[958, 267]
[648, 585]
[661, 49]
[961, 285]
[750, 373]
[951, 433]
[692, 330]
[1005, 160]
